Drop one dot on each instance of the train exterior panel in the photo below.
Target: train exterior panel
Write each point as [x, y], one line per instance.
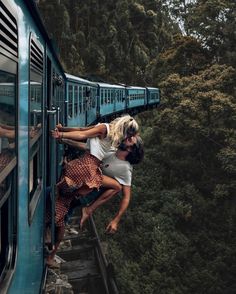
[112, 99]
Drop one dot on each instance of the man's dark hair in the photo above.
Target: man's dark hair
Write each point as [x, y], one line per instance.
[136, 155]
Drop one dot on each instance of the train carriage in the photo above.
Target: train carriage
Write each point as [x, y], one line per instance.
[111, 99]
[82, 101]
[135, 97]
[153, 96]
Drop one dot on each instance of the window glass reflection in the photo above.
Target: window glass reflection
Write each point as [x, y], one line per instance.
[7, 118]
[35, 108]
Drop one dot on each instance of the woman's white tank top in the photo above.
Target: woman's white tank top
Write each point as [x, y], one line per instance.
[99, 147]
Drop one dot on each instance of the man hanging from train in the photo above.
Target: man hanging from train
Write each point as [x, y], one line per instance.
[116, 164]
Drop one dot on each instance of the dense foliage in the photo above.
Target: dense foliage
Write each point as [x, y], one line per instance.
[179, 235]
[113, 40]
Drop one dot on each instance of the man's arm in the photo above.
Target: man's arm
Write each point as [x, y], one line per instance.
[113, 225]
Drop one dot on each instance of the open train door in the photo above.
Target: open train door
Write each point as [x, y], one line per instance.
[50, 149]
[54, 152]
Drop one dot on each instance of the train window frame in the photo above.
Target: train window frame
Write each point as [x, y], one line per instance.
[70, 101]
[35, 135]
[101, 95]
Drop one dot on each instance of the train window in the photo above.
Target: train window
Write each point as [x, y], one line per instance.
[7, 118]
[8, 161]
[8, 142]
[108, 96]
[35, 124]
[84, 99]
[70, 101]
[75, 100]
[58, 94]
[88, 97]
[105, 96]
[112, 96]
[80, 99]
[93, 97]
[101, 96]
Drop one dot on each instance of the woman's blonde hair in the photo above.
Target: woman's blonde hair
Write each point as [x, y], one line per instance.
[121, 128]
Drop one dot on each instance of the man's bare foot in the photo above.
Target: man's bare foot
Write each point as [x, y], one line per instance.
[85, 215]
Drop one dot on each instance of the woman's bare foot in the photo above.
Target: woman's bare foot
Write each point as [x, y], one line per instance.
[85, 215]
[51, 263]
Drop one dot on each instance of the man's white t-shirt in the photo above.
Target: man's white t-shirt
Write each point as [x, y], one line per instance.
[116, 168]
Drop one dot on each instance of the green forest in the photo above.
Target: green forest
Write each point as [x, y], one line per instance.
[179, 233]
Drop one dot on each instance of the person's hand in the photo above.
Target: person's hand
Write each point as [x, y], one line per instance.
[1, 132]
[59, 126]
[112, 227]
[56, 134]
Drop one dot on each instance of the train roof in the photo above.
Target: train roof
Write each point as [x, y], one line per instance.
[135, 88]
[106, 85]
[81, 80]
[152, 88]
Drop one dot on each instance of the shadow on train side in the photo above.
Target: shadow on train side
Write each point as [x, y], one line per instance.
[35, 95]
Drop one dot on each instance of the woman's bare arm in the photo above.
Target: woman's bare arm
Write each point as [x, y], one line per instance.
[6, 133]
[97, 131]
[72, 129]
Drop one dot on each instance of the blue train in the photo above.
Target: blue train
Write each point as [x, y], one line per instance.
[36, 94]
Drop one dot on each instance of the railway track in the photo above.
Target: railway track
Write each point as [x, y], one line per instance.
[84, 268]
